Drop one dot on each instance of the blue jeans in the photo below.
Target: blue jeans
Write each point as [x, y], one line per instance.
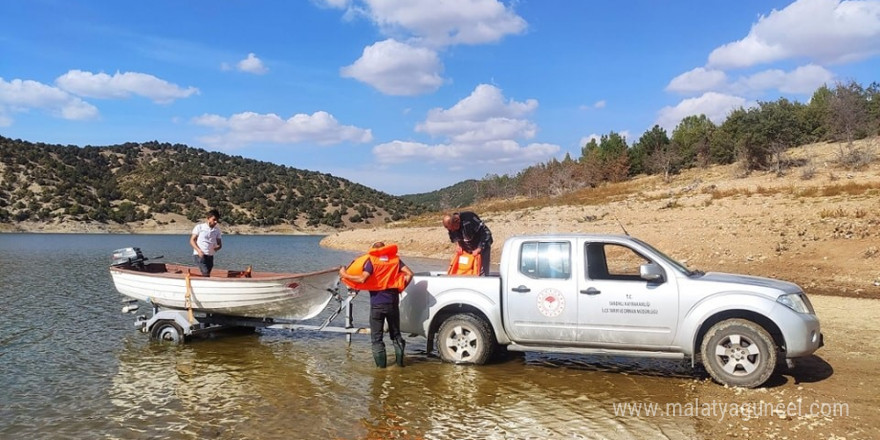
[205, 264]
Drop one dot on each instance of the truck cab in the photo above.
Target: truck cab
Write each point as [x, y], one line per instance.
[583, 291]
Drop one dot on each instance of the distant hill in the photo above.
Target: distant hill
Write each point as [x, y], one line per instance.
[456, 196]
[140, 181]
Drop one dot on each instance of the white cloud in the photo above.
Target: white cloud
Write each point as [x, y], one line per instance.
[598, 105]
[122, 85]
[397, 68]
[252, 64]
[491, 129]
[716, 106]
[482, 130]
[481, 117]
[485, 102]
[22, 95]
[339, 4]
[806, 79]
[408, 63]
[586, 139]
[697, 80]
[248, 127]
[216, 122]
[494, 153]
[401, 180]
[803, 80]
[444, 23]
[825, 31]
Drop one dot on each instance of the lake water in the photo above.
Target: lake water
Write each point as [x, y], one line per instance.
[73, 366]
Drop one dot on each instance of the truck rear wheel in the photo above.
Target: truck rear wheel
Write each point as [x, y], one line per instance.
[465, 339]
[740, 353]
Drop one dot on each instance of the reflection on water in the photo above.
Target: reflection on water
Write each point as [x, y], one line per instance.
[511, 400]
[311, 386]
[72, 366]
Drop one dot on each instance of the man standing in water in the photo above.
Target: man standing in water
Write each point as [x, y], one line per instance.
[205, 241]
[384, 275]
[471, 235]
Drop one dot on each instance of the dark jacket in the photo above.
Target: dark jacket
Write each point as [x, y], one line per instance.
[472, 234]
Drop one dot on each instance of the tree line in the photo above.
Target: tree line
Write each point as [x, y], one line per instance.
[756, 137]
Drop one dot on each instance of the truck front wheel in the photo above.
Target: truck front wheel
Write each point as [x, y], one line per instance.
[465, 339]
[740, 353]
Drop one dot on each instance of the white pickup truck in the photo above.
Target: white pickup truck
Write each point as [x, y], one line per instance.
[612, 295]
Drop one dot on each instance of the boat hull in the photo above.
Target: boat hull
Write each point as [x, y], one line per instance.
[262, 295]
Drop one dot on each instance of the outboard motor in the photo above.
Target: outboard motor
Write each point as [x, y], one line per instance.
[131, 256]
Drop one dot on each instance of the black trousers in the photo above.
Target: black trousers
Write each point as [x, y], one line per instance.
[206, 264]
[379, 314]
[486, 256]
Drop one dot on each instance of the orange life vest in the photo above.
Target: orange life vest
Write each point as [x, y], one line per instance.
[386, 270]
[465, 263]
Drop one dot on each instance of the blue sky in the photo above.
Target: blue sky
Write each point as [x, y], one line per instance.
[410, 96]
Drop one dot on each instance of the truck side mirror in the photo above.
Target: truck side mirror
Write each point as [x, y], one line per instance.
[651, 272]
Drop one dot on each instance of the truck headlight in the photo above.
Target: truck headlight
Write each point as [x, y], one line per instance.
[796, 302]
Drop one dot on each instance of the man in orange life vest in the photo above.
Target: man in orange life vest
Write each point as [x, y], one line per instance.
[381, 272]
[471, 234]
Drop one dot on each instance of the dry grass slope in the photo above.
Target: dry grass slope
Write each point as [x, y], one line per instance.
[816, 224]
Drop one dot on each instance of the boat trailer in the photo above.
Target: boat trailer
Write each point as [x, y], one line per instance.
[176, 325]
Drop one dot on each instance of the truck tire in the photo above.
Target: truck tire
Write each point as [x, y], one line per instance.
[465, 339]
[739, 353]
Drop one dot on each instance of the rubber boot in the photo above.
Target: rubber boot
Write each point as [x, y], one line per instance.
[399, 346]
[380, 358]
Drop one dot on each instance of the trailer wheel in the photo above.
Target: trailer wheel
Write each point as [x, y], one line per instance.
[739, 353]
[167, 331]
[465, 339]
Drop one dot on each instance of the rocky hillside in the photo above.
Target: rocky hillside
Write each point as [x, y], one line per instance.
[157, 183]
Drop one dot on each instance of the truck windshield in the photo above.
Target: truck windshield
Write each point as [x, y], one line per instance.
[678, 266]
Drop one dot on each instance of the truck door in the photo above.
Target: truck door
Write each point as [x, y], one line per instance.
[617, 306]
[541, 293]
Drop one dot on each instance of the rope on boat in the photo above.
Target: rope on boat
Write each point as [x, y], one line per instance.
[188, 300]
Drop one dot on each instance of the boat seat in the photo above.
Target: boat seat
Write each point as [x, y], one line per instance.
[239, 273]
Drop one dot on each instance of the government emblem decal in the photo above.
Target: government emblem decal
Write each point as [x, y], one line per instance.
[551, 303]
